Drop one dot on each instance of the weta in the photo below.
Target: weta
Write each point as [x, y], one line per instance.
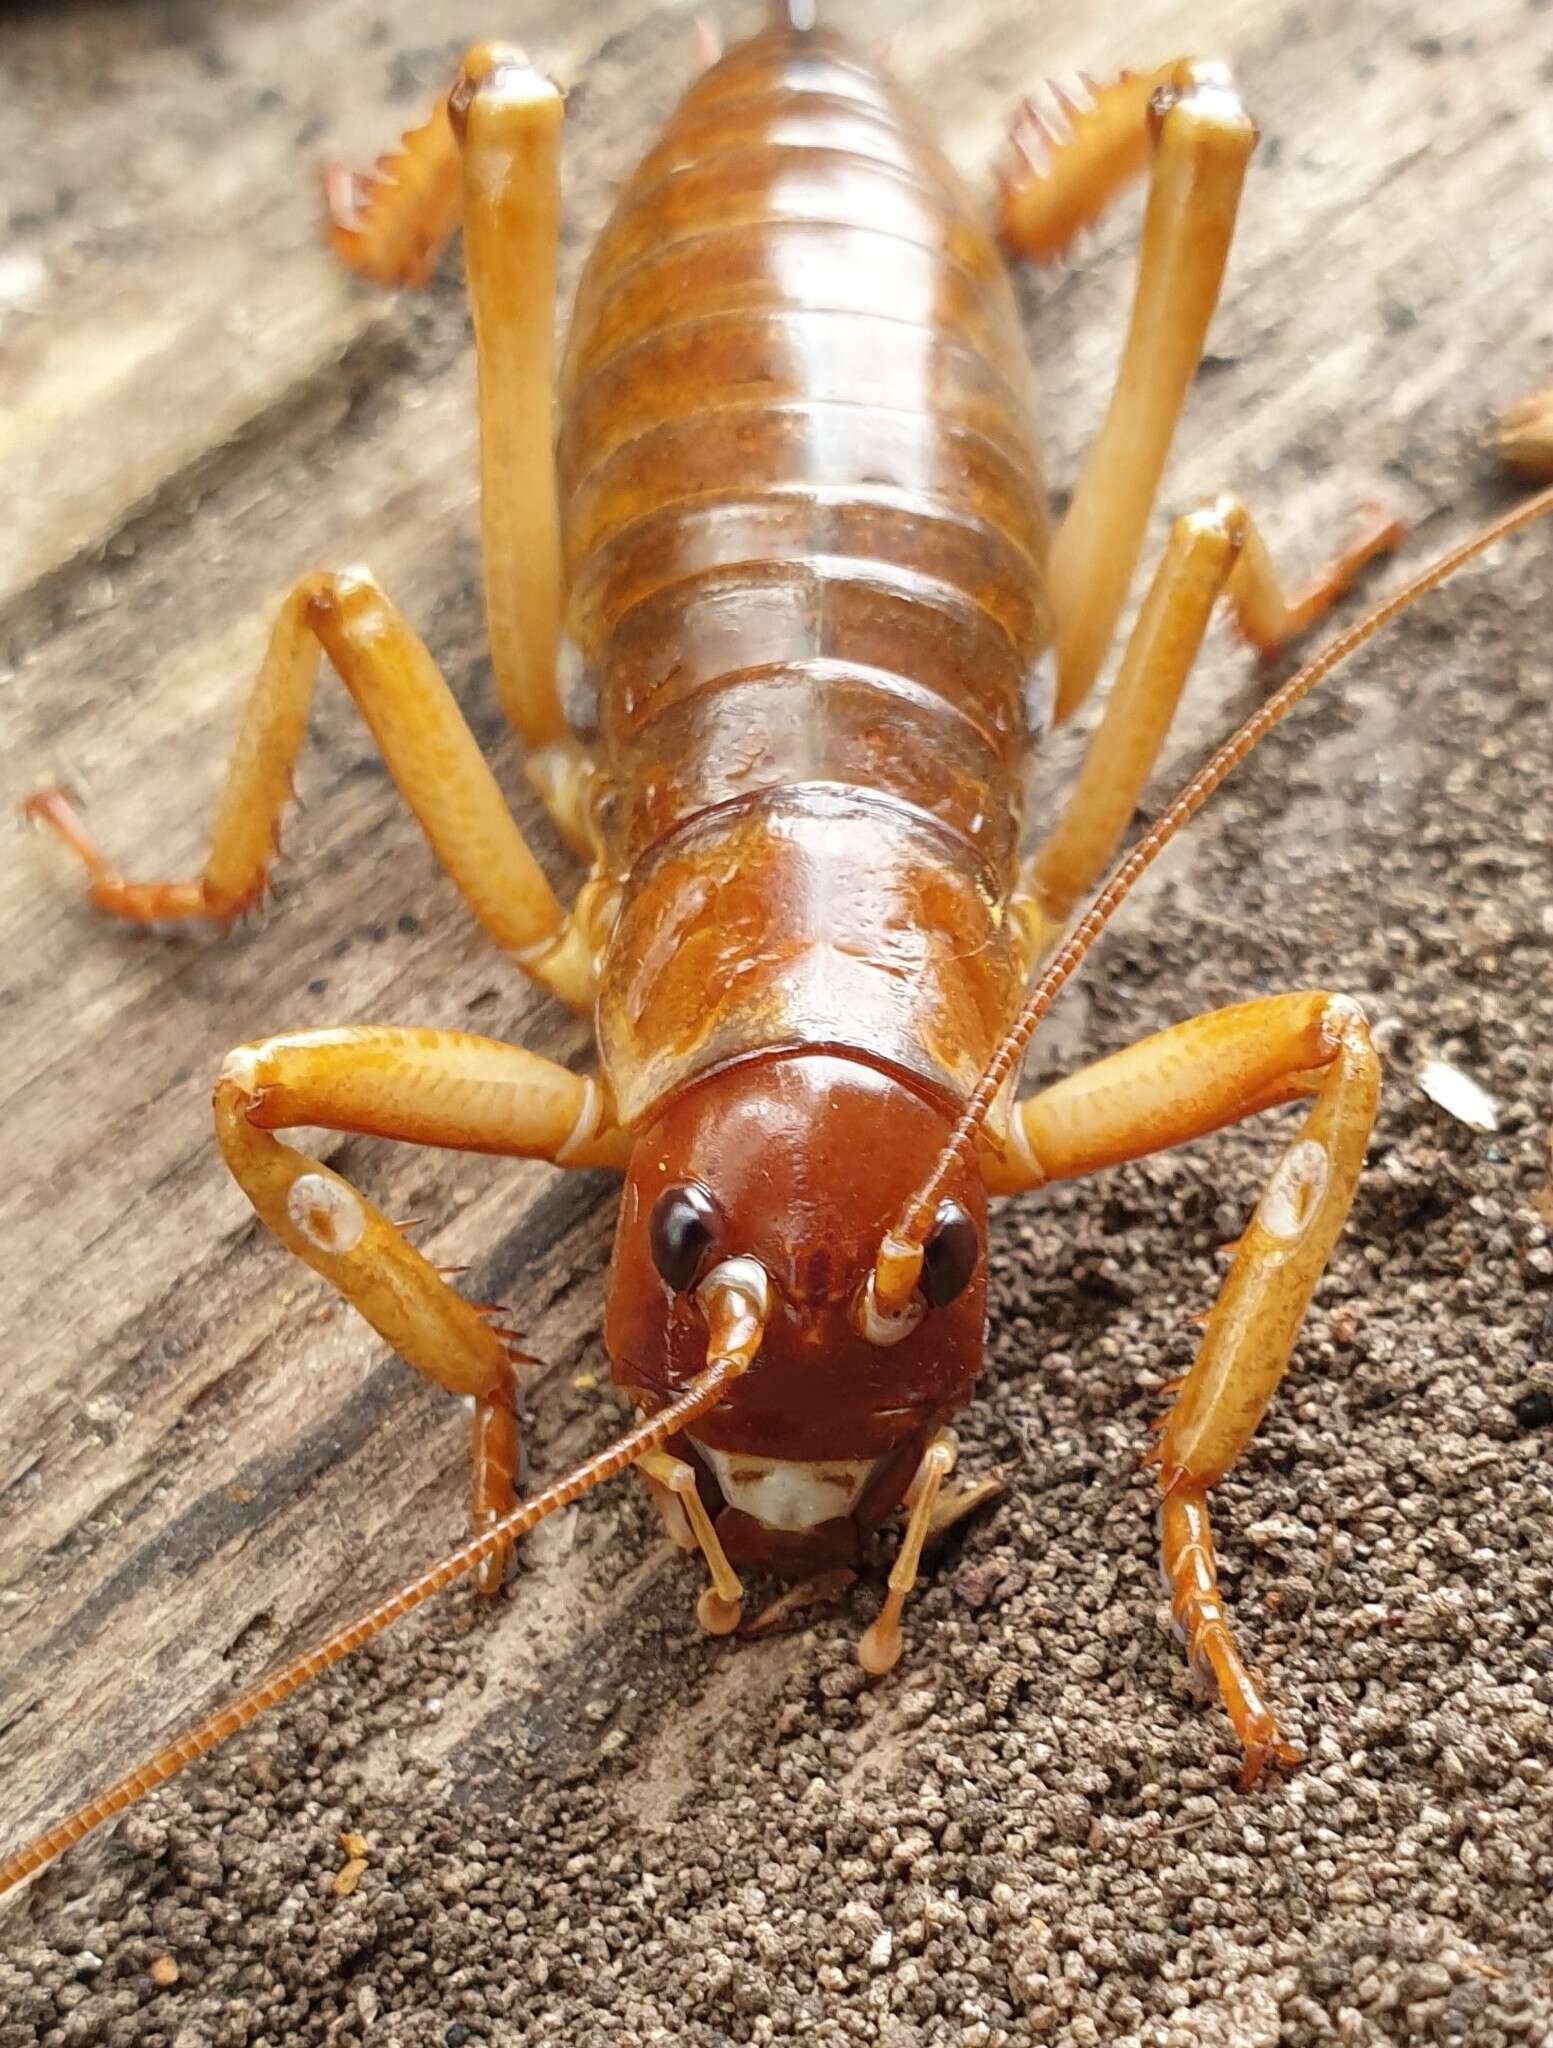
[795, 534]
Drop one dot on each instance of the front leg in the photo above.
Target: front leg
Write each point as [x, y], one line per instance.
[429, 750]
[1178, 1085]
[423, 1088]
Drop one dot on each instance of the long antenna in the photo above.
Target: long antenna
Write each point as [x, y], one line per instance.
[736, 1315]
[899, 1263]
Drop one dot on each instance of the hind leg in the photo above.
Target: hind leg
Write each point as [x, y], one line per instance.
[490, 153]
[1198, 138]
[1188, 124]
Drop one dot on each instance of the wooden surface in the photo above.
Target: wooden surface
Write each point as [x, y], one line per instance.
[202, 1460]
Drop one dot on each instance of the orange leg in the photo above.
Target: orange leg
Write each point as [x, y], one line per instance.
[424, 1088]
[430, 753]
[1215, 550]
[880, 1645]
[1201, 140]
[392, 224]
[509, 119]
[490, 153]
[1191, 1572]
[672, 1484]
[1188, 124]
[1071, 156]
[1180, 1084]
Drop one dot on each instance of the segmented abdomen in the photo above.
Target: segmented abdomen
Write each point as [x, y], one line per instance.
[805, 538]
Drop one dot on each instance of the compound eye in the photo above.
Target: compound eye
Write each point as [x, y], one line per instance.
[949, 1256]
[681, 1233]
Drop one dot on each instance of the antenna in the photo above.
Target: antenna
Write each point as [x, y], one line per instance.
[737, 1304]
[899, 1263]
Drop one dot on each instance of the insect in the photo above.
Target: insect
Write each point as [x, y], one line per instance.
[797, 519]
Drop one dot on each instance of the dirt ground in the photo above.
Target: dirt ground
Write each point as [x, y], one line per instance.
[583, 1821]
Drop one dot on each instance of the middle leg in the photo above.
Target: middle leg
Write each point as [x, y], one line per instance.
[1213, 551]
[430, 752]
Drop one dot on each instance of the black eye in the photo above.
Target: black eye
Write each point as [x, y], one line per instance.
[681, 1232]
[949, 1256]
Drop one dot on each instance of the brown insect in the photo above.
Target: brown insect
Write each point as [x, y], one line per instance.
[798, 523]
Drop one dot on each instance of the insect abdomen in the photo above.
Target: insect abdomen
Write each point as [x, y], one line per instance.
[806, 536]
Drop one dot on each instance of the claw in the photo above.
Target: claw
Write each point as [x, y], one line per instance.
[43, 807]
[1272, 1750]
[57, 809]
[390, 224]
[1068, 153]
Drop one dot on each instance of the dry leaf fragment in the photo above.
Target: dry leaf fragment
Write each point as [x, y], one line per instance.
[1458, 1095]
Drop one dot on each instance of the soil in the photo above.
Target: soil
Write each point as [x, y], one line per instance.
[579, 1820]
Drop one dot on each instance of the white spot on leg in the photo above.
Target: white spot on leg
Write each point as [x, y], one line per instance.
[1342, 1013]
[1295, 1190]
[585, 1129]
[327, 1215]
[242, 1066]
